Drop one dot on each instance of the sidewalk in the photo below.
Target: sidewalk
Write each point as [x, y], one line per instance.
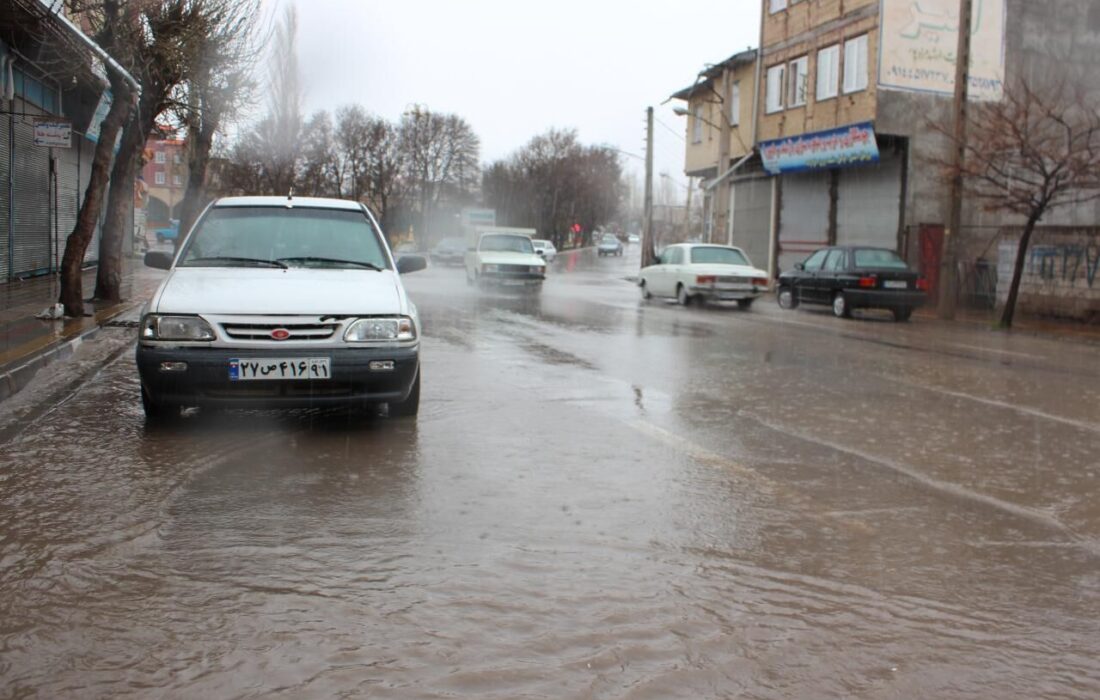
[1021, 325]
[27, 344]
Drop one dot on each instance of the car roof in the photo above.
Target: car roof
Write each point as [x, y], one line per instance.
[304, 202]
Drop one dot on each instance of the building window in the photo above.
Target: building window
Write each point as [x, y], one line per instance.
[735, 103]
[855, 64]
[697, 124]
[828, 63]
[176, 180]
[777, 5]
[159, 178]
[159, 157]
[799, 79]
[176, 158]
[773, 97]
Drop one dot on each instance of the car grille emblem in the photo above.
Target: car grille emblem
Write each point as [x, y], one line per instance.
[280, 334]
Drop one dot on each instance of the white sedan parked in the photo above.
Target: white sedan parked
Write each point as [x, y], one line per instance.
[691, 272]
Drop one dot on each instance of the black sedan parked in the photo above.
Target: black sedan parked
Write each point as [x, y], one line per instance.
[851, 277]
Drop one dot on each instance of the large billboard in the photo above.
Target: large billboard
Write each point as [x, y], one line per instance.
[918, 40]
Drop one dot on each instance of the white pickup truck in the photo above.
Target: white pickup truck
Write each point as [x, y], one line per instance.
[501, 256]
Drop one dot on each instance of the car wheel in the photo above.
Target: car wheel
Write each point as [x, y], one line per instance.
[745, 304]
[410, 406]
[902, 315]
[682, 296]
[156, 411]
[645, 290]
[840, 306]
[786, 298]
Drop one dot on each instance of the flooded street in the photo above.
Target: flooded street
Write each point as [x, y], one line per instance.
[602, 498]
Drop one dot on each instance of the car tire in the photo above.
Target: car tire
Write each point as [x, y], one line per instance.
[157, 411]
[411, 405]
[786, 298]
[902, 315]
[645, 291]
[682, 296]
[745, 304]
[841, 309]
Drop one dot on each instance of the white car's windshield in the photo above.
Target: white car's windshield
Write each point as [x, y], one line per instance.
[504, 243]
[718, 256]
[270, 236]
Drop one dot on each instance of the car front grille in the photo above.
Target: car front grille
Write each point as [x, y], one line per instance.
[297, 331]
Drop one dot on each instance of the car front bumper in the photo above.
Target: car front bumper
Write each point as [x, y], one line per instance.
[512, 279]
[206, 382]
[884, 299]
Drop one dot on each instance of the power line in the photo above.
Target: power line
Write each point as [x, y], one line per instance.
[674, 132]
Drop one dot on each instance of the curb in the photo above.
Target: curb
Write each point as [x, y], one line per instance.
[14, 380]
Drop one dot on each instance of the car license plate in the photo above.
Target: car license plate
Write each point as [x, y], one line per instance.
[895, 284]
[513, 283]
[248, 369]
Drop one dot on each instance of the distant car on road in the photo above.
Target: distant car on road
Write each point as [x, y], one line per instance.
[609, 245]
[545, 249]
[169, 233]
[449, 251]
[633, 238]
[505, 259]
[699, 272]
[280, 303]
[853, 277]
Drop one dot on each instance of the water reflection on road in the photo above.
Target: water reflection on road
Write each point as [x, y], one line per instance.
[601, 498]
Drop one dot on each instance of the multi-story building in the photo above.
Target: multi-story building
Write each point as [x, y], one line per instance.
[165, 176]
[720, 108]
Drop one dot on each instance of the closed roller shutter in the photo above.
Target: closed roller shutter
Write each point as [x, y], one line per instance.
[68, 192]
[752, 207]
[87, 154]
[803, 217]
[869, 204]
[31, 203]
[5, 204]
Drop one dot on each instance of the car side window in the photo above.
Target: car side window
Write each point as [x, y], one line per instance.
[671, 257]
[815, 261]
[835, 261]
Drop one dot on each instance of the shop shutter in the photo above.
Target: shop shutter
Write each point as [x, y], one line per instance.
[803, 216]
[68, 193]
[869, 203]
[752, 208]
[5, 204]
[31, 232]
[87, 154]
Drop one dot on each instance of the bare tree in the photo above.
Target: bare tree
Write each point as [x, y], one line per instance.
[279, 133]
[322, 167]
[1034, 151]
[219, 85]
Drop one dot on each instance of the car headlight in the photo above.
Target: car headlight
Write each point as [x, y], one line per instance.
[182, 328]
[489, 268]
[537, 269]
[381, 330]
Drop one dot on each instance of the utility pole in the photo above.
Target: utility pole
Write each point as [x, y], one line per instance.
[949, 267]
[648, 252]
[687, 213]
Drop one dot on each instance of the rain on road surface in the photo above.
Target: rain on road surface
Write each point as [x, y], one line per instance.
[602, 498]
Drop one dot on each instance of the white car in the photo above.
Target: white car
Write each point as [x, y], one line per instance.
[278, 302]
[506, 260]
[545, 249]
[691, 272]
[633, 238]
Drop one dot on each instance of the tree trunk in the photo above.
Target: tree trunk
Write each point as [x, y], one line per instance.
[1018, 272]
[200, 142]
[120, 197]
[76, 245]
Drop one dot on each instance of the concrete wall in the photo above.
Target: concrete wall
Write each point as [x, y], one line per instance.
[1061, 276]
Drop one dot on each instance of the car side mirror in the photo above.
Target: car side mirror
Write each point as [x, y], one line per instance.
[410, 263]
[159, 260]
[540, 253]
[799, 266]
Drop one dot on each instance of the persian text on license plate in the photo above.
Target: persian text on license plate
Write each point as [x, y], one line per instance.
[248, 369]
[895, 284]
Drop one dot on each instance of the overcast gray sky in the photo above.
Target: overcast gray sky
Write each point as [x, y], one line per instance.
[514, 68]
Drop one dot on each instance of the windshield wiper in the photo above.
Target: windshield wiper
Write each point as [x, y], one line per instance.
[334, 261]
[232, 259]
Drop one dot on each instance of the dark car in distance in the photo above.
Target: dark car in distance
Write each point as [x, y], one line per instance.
[449, 251]
[853, 277]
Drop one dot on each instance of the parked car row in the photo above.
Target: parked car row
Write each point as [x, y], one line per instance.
[844, 278]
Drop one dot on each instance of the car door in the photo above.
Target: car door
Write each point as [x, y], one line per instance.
[806, 282]
[828, 281]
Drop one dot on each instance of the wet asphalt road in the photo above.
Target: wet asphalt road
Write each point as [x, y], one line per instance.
[601, 498]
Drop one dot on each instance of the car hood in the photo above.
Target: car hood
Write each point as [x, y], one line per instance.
[504, 258]
[238, 290]
[609, 244]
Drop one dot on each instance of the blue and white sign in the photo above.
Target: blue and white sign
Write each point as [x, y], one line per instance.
[849, 145]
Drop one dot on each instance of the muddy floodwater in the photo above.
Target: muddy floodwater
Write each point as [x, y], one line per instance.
[602, 498]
